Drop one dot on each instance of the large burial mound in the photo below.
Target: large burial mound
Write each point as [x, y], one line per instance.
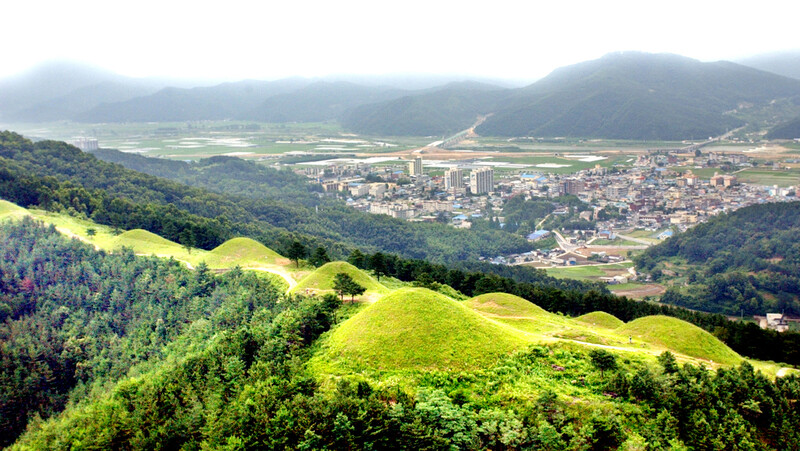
[601, 319]
[505, 305]
[419, 328]
[245, 251]
[322, 278]
[680, 336]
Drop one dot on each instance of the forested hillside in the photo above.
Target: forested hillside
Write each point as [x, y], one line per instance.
[634, 95]
[786, 130]
[747, 261]
[73, 319]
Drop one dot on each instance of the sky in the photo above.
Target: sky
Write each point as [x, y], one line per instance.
[521, 39]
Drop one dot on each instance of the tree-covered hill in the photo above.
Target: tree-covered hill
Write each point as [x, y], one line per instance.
[637, 96]
[786, 130]
[73, 319]
[453, 108]
[747, 261]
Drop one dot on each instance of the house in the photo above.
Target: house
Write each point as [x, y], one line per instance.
[774, 321]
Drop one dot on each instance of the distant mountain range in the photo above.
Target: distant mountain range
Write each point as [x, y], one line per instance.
[637, 96]
[626, 95]
[782, 63]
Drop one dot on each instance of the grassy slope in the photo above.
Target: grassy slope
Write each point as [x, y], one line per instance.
[416, 328]
[322, 278]
[601, 319]
[229, 254]
[681, 337]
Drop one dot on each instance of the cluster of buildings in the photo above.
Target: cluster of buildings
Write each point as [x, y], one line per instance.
[658, 190]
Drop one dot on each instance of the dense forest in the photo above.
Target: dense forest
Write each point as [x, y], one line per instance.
[744, 262]
[73, 319]
[122, 352]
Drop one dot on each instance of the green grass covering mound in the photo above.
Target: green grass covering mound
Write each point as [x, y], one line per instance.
[507, 305]
[246, 251]
[416, 328]
[142, 241]
[601, 319]
[322, 278]
[680, 336]
[11, 210]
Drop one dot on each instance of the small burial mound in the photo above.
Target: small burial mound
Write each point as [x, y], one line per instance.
[245, 251]
[681, 337]
[142, 241]
[322, 278]
[420, 329]
[505, 305]
[11, 210]
[601, 319]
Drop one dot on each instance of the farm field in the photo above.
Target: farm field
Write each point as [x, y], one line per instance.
[769, 177]
[271, 142]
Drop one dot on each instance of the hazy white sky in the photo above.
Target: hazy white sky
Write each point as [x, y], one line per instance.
[521, 39]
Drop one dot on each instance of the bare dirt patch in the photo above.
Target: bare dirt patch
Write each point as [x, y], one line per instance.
[640, 292]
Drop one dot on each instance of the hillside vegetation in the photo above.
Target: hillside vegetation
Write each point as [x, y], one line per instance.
[141, 347]
[747, 261]
[786, 130]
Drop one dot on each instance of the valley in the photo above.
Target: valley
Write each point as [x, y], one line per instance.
[603, 258]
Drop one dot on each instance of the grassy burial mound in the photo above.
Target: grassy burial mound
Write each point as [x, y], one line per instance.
[601, 319]
[244, 252]
[144, 242]
[505, 305]
[322, 278]
[416, 328]
[679, 336]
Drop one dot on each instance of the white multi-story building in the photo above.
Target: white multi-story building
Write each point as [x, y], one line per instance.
[415, 166]
[481, 181]
[453, 179]
[86, 144]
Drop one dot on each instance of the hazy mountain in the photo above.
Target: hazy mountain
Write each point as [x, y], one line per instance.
[635, 95]
[47, 82]
[782, 63]
[70, 105]
[437, 111]
[223, 101]
[319, 101]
